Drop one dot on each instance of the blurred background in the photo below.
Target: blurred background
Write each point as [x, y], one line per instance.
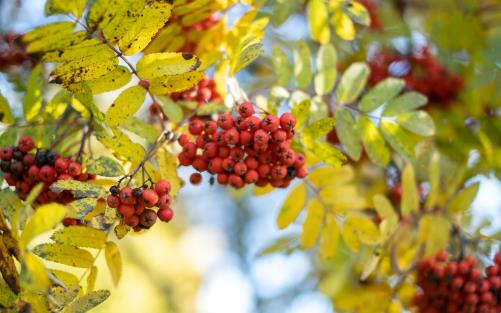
[209, 260]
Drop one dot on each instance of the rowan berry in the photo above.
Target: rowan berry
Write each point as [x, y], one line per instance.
[196, 127]
[165, 214]
[25, 144]
[246, 109]
[126, 196]
[162, 187]
[148, 218]
[195, 179]
[113, 201]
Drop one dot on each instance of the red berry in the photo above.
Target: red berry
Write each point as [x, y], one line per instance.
[222, 179]
[184, 160]
[232, 137]
[165, 215]
[126, 196]
[190, 150]
[61, 165]
[164, 200]
[225, 121]
[215, 165]
[199, 163]
[113, 201]
[47, 174]
[150, 198]
[251, 177]
[74, 169]
[287, 121]
[240, 168]
[245, 138]
[34, 172]
[246, 109]
[196, 127]
[25, 144]
[195, 178]
[251, 163]
[183, 139]
[279, 136]
[235, 181]
[210, 127]
[6, 153]
[29, 159]
[253, 123]
[270, 123]
[237, 154]
[261, 137]
[162, 187]
[132, 221]
[228, 165]
[126, 210]
[64, 177]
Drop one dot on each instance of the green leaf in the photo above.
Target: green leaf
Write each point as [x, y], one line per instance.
[66, 278]
[302, 64]
[125, 105]
[373, 142]
[418, 122]
[292, 206]
[88, 302]
[64, 254]
[79, 189]
[352, 83]
[44, 219]
[246, 57]
[404, 103]
[281, 66]
[301, 111]
[7, 297]
[320, 127]
[8, 137]
[312, 224]
[325, 79]
[410, 197]
[123, 148]
[83, 206]
[6, 116]
[463, 199]
[283, 244]
[358, 13]
[156, 65]
[10, 202]
[86, 100]
[171, 109]
[381, 93]
[78, 236]
[105, 166]
[348, 133]
[398, 139]
[114, 261]
[74, 7]
[142, 129]
[32, 102]
[318, 20]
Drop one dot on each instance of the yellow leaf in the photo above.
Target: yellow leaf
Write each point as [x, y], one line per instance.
[121, 230]
[68, 279]
[103, 11]
[32, 102]
[167, 168]
[36, 277]
[64, 254]
[48, 30]
[91, 279]
[434, 232]
[114, 261]
[175, 83]
[246, 57]
[387, 213]
[125, 105]
[44, 219]
[292, 206]
[121, 19]
[88, 302]
[410, 197]
[156, 65]
[343, 198]
[434, 179]
[332, 176]
[373, 142]
[358, 229]
[74, 7]
[83, 69]
[57, 41]
[113, 80]
[123, 148]
[6, 116]
[313, 223]
[317, 17]
[153, 17]
[329, 237]
[371, 264]
[261, 191]
[343, 25]
[463, 199]
[78, 236]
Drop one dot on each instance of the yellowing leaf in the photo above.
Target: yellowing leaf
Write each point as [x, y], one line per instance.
[78, 188]
[91, 279]
[7, 297]
[329, 237]
[32, 102]
[83, 206]
[342, 198]
[88, 68]
[167, 168]
[8, 268]
[373, 142]
[343, 25]
[325, 79]
[410, 197]
[88, 302]
[246, 57]
[331, 176]
[113, 80]
[281, 66]
[44, 219]
[74, 7]
[434, 179]
[352, 82]
[105, 166]
[381, 93]
[34, 276]
[371, 265]
[398, 139]
[122, 147]
[404, 103]
[261, 191]
[348, 133]
[114, 261]
[313, 223]
[418, 122]
[358, 13]
[120, 19]
[156, 65]
[78, 236]
[317, 17]
[48, 30]
[359, 229]
[68, 279]
[463, 199]
[6, 116]
[434, 232]
[152, 18]
[324, 151]
[292, 206]
[175, 83]
[320, 127]
[125, 105]
[64, 254]
[301, 111]
[302, 64]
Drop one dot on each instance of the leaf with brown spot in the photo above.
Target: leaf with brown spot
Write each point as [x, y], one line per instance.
[8, 269]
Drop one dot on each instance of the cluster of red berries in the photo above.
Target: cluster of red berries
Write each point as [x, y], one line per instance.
[202, 93]
[136, 205]
[421, 71]
[10, 53]
[23, 170]
[458, 286]
[243, 149]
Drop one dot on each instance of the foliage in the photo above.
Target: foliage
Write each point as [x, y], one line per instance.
[393, 172]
